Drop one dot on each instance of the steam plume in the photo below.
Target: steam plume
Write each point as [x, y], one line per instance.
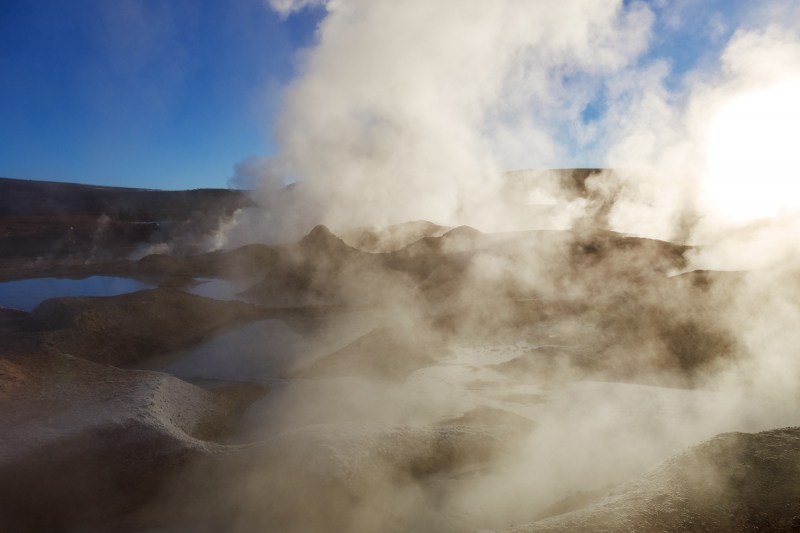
[406, 111]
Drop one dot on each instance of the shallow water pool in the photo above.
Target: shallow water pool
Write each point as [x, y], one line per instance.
[27, 294]
[255, 353]
[221, 289]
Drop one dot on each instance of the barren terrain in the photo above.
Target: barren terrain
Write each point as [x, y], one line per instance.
[410, 378]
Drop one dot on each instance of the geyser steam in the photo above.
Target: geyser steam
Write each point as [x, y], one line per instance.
[411, 110]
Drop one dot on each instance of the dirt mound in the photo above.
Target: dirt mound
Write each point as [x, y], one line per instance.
[83, 442]
[384, 353]
[332, 477]
[391, 238]
[93, 446]
[247, 262]
[732, 482]
[463, 231]
[321, 241]
[322, 270]
[489, 416]
[129, 329]
[573, 502]
[465, 266]
[13, 319]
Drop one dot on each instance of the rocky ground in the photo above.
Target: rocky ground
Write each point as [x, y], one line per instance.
[412, 378]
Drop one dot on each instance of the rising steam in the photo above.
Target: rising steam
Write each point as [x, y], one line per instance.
[413, 110]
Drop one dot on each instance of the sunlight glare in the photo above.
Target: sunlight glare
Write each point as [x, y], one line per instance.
[754, 155]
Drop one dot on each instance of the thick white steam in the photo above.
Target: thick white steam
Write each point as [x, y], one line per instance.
[411, 110]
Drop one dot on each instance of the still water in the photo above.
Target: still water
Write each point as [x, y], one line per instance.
[221, 289]
[256, 353]
[27, 294]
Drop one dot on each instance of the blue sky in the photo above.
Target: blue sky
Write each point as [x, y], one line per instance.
[172, 93]
[142, 93]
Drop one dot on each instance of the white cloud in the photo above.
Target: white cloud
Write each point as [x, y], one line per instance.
[287, 7]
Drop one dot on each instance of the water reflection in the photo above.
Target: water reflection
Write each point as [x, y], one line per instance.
[221, 289]
[27, 294]
[254, 353]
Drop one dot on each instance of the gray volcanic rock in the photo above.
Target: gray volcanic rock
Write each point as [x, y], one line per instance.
[84, 443]
[732, 482]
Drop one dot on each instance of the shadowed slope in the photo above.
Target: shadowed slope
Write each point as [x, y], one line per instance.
[352, 477]
[732, 482]
[128, 329]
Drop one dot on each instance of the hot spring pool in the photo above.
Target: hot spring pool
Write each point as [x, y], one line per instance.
[28, 293]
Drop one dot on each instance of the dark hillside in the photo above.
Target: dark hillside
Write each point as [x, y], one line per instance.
[52, 199]
[47, 223]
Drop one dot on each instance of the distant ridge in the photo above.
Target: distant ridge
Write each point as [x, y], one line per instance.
[48, 198]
